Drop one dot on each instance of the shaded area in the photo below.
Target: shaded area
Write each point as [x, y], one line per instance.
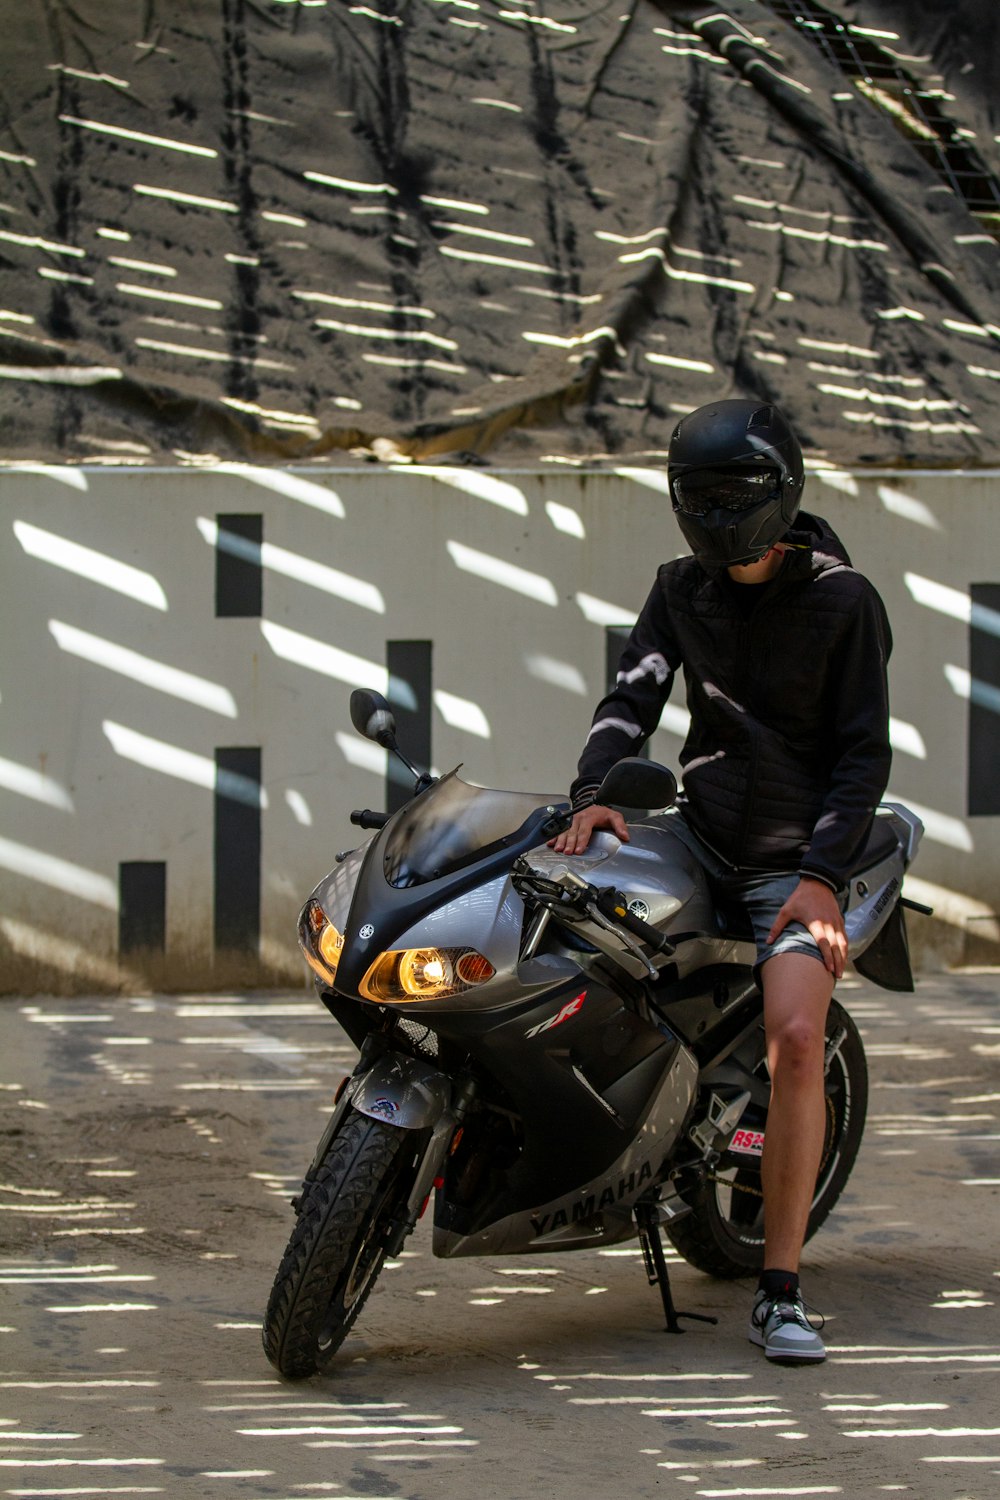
[527, 229]
[150, 1145]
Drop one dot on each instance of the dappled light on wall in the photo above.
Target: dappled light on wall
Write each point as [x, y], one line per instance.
[489, 609]
[87, 563]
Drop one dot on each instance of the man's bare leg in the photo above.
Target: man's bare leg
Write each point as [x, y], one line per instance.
[797, 992]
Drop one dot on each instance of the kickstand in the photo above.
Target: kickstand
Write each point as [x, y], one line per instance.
[648, 1222]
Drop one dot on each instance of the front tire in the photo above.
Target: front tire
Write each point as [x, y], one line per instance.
[338, 1245]
[724, 1233]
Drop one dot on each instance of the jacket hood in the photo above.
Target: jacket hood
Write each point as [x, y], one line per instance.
[818, 547]
[815, 548]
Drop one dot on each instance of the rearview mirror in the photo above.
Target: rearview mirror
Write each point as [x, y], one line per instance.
[372, 717]
[635, 782]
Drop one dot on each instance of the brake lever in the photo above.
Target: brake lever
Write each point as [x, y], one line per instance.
[600, 920]
[606, 909]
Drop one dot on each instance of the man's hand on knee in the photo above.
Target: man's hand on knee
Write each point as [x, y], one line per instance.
[814, 905]
[585, 822]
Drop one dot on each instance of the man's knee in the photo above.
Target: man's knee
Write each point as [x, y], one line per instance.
[797, 992]
[795, 1046]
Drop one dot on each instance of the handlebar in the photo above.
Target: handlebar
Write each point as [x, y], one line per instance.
[574, 892]
[611, 904]
[365, 818]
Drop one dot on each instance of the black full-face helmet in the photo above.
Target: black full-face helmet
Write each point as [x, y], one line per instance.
[736, 475]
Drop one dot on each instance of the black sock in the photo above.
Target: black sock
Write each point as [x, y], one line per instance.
[779, 1283]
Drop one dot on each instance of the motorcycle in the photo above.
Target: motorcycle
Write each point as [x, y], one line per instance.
[563, 1052]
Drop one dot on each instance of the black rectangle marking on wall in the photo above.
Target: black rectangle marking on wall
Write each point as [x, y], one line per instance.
[409, 695]
[237, 848]
[984, 701]
[142, 906]
[239, 574]
[615, 637]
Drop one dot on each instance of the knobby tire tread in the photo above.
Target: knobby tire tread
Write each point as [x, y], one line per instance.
[335, 1208]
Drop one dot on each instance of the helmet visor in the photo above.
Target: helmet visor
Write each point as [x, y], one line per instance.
[700, 491]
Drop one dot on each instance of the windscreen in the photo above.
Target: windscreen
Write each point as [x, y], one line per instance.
[448, 825]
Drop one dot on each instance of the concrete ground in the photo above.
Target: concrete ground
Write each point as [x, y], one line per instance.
[149, 1148]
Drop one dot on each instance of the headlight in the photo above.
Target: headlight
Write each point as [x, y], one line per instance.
[320, 941]
[424, 974]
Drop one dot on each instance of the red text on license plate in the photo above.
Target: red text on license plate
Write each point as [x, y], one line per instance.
[749, 1142]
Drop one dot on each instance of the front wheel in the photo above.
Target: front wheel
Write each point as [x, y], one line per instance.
[338, 1245]
[724, 1233]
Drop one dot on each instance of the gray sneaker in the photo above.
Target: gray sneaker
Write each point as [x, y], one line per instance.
[781, 1327]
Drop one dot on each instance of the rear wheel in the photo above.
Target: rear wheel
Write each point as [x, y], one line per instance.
[339, 1243]
[724, 1233]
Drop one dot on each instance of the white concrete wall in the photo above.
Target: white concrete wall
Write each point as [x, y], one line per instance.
[103, 760]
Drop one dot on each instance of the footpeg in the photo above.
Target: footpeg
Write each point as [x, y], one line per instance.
[711, 1135]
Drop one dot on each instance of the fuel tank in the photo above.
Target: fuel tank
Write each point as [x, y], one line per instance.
[661, 880]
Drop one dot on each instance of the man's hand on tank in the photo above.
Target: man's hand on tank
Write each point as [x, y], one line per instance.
[814, 905]
[586, 822]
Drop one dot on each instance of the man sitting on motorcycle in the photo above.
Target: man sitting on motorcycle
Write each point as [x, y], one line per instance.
[783, 647]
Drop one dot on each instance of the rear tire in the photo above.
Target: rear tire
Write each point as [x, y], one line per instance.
[724, 1233]
[338, 1245]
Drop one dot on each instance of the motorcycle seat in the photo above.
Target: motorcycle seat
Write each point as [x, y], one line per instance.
[882, 841]
[880, 844]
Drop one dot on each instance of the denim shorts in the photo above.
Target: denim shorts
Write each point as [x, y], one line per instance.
[757, 896]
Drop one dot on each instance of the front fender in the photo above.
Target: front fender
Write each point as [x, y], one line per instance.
[404, 1092]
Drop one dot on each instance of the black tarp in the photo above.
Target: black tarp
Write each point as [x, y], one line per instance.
[520, 230]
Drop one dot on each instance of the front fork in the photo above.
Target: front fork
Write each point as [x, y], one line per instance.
[409, 1095]
[429, 1171]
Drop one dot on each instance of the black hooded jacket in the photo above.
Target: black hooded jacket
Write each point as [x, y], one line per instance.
[788, 750]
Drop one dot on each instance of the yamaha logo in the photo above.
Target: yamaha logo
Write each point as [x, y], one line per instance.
[639, 909]
[367, 931]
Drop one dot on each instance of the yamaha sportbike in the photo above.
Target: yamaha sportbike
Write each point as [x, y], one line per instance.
[563, 1052]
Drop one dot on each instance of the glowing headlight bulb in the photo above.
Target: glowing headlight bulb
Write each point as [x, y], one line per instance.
[424, 969]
